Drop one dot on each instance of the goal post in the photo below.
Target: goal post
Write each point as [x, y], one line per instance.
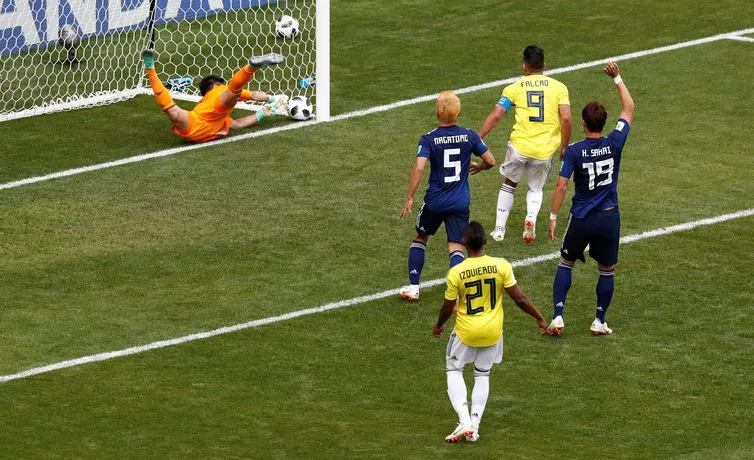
[322, 58]
[40, 72]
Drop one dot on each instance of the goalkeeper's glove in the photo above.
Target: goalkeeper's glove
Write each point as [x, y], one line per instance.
[280, 101]
[278, 104]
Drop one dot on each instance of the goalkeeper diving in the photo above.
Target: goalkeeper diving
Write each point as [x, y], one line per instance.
[210, 118]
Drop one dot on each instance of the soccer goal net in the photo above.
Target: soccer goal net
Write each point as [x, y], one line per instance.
[66, 54]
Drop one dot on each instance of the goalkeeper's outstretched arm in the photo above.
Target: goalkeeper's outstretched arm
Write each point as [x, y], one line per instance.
[252, 120]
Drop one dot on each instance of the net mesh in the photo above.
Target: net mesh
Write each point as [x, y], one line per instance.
[194, 38]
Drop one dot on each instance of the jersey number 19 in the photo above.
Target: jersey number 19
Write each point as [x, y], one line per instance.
[599, 169]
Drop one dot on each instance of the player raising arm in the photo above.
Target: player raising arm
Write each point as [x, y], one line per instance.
[543, 127]
[476, 286]
[210, 119]
[594, 163]
[448, 149]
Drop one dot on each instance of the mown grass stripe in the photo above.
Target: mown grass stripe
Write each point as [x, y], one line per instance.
[338, 305]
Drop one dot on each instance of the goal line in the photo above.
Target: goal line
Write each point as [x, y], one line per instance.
[361, 113]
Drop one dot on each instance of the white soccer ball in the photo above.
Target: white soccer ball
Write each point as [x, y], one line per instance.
[300, 108]
[286, 26]
[69, 36]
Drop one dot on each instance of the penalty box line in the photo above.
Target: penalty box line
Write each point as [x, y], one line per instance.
[364, 112]
[338, 305]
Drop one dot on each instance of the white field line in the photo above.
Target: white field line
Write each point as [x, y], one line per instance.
[337, 305]
[361, 113]
[742, 39]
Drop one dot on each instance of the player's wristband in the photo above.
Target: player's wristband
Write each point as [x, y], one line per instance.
[260, 116]
[271, 100]
[553, 216]
[618, 80]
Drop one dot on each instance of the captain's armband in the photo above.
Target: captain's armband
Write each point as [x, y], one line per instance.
[505, 103]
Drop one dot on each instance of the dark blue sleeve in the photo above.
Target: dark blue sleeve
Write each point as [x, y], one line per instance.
[619, 135]
[569, 162]
[479, 147]
[424, 149]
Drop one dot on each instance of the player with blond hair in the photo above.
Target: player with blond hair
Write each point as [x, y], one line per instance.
[210, 119]
[543, 127]
[448, 149]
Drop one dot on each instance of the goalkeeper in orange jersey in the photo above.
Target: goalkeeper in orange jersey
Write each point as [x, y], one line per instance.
[210, 119]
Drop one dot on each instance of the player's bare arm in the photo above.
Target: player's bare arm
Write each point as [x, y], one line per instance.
[626, 101]
[561, 187]
[488, 161]
[566, 124]
[446, 311]
[413, 183]
[491, 121]
[526, 305]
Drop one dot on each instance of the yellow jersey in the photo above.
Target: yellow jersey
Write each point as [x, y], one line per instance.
[478, 284]
[536, 98]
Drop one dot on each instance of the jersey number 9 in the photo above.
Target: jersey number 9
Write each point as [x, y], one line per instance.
[536, 100]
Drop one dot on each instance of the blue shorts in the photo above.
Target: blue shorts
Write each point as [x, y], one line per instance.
[600, 230]
[428, 221]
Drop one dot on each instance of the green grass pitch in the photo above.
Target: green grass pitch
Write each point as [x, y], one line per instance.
[248, 230]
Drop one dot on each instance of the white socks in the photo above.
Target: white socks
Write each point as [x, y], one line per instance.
[533, 204]
[457, 395]
[504, 206]
[479, 396]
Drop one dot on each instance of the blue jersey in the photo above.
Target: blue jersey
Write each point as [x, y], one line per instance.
[449, 150]
[594, 164]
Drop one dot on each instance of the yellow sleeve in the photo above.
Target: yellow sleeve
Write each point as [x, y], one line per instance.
[563, 95]
[245, 95]
[452, 289]
[510, 92]
[507, 271]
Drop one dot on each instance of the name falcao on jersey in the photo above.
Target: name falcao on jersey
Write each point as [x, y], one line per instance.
[534, 83]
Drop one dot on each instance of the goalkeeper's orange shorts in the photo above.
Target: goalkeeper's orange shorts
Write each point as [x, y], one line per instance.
[200, 129]
[210, 118]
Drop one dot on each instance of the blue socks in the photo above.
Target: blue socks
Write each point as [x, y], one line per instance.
[456, 257]
[560, 288]
[605, 289]
[415, 261]
[562, 283]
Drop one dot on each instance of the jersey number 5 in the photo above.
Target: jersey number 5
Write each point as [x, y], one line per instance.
[536, 100]
[448, 163]
[599, 169]
[477, 285]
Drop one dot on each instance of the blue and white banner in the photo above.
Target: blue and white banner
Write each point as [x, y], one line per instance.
[36, 23]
